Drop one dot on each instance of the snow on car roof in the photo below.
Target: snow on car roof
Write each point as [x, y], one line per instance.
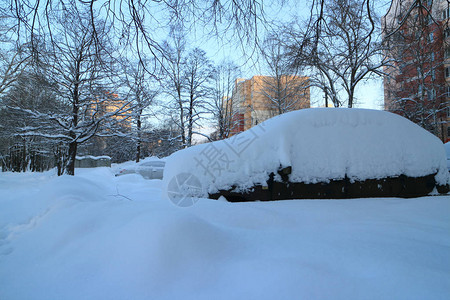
[319, 144]
[447, 149]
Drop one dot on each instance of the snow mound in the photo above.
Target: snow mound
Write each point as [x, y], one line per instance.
[447, 149]
[319, 144]
[96, 236]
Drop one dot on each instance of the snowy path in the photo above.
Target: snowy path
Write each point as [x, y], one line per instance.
[95, 236]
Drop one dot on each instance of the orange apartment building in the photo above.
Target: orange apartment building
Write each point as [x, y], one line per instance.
[111, 103]
[108, 103]
[263, 97]
[418, 44]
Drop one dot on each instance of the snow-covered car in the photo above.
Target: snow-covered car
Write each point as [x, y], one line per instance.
[148, 169]
[314, 153]
[447, 151]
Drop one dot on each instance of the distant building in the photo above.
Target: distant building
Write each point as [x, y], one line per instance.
[110, 103]
[328, 104]
[115, 111]
[262, 97]
[418, 45]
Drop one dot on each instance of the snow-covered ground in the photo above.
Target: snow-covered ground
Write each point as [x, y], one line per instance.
[96, 236]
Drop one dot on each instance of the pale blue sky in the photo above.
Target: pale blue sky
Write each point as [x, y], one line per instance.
[369, 94]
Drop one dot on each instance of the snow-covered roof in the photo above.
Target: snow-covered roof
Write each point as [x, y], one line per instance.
[319, 144]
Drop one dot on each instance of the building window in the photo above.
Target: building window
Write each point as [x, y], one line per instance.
[241, 122]
[446, 32]
[433, 75]
[399, 18]
[448, 91]
[431, 94]
[447, 72]
[445, 13]
[432, 56]
[430, 38]
[418, 35]
[448, 132]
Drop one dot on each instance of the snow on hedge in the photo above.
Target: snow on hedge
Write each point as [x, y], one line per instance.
[319, 144]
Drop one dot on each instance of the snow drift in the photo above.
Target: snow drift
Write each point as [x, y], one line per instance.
[96, 236]
[319, 144]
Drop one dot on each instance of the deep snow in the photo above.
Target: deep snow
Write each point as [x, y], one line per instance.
[96, 236]
[319, 144]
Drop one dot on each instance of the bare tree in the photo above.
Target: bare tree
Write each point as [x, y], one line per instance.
[186, 80]
[174, 78]
[141, 95]
[224, 77]
[12, 63]
[79, 63]
[284, 89]
[30, 91]
[198, 75]
[138, 22]
[14, 55]
[339, 46]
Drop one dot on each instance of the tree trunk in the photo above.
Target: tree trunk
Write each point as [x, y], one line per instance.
[351, 97]
[70, 164]
[73, 145]
[138, 147]
[190, 121]
[221, 128]
[183, 131]
[24, 157]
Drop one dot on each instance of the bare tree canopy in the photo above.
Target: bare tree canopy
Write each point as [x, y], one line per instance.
[141, 93]
[137, 23]
[221, 108]
[338, 44]
[81, 67]
[142, 53]
[284, 88]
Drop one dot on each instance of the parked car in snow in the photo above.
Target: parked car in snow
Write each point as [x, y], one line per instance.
[447, 151]
[317, 153]
[148, 169]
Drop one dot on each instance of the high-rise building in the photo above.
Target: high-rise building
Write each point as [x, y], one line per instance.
[111, 103]
[417, 37]
[262, 97]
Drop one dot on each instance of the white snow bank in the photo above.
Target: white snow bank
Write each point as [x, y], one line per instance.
[320, 144]
[93, 157]
[447, 149]
[96, 236]
[132, 163]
